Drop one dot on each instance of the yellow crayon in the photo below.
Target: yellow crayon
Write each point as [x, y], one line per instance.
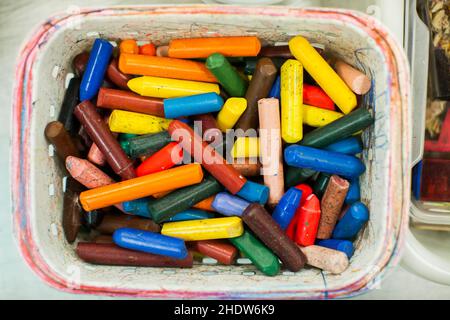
[324, 75]
[246, 147]
[207, 229]
[136, 123]
[169, 88]
[291, 101]
[319, 117]
[230, 113]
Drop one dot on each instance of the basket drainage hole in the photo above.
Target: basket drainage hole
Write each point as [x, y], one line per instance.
[64, 183]
[51, 190]
[169, 272]
[51, 150]
[54, 229]
[288, 273]
[243, 261]
[55, 71]
[209, 261]
[248, 273]
[52, 111]
[69, 77]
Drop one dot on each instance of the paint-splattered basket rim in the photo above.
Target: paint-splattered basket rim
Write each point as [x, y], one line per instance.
[37, 178]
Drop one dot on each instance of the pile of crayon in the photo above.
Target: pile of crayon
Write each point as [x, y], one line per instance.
[213, 147]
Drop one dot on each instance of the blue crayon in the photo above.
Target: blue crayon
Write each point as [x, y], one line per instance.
[350, 146]
[150, 242]
[324, 161]
[254, 192]
[192, 105]
[275, 91]
[354, 192]
[229, 205]
[352, 221]
[286, 208]
[191, 214]
[95, 69]
[137, 207]
[344, 246]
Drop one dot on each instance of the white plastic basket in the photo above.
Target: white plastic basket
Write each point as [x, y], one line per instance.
[37, 176]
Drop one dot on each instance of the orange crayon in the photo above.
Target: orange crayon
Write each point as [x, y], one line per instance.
[205, 204]
[204, 47]
[128, 46]
[147, 49]
[141, 187]
[140, 64]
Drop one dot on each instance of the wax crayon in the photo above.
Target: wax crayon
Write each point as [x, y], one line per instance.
[344, 246]
[203, 47]
[128, 46]
[63, 143]
[229, 205]
[223, 252]
[331, 206]
[110, 254]
[350, 145]
[319, 117]
[321, 184]
[111, 223]
[124, 141]
[357, 81]
[292, 228]
[157, 87]
[326, 259]
[324, 136]
[251, 64]
[182, 199]
[209, 129]
[205, 204]
[140, 64]
[150, 242]
[258, 88]
[70, 101]
[95, 70]
[246, 147]
[137, 123]
[324, 161]
[192, 105]
[258, 253]
[86, 173]
[263, 225]
[146, 145]
[124, 100]
[247, 167]
[79, 63]
[275, 91]
[101, 239]
[315, 96]
[254, 192]
[148, 49]
[230, 113]
[233, 83]
[308, 222]
[96, 156]
[72, 213]
[116, 76]
[352, 222]
[137, 207]
[209, 229]
[191, 214]
[291, 101]
[100, 134]
[162, 51]
[164, 159]
[323, 74]
[271, 148]
[207, 156]
[276, 52]
[141, 187]
[285, 210]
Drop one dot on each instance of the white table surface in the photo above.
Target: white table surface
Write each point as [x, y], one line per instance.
[17, 281]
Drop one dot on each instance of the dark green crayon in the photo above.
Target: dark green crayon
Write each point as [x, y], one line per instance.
[263, 259]
[147, 144]
[182, 199]
[321, 184]
[227, 75]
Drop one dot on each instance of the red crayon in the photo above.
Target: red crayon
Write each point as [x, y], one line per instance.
[164, 159]
[220, 250]
[315, 96]
[292, 228]
[308, 222]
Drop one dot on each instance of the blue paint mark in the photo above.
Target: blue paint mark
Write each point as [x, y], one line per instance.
[325, 291]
